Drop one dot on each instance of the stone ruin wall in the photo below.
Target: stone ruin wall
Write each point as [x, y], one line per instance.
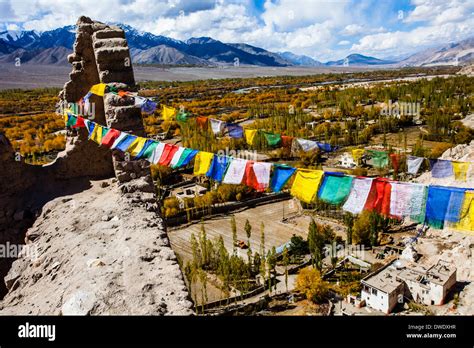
[101, 54]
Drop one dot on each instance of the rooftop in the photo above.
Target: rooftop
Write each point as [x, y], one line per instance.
[388, 278]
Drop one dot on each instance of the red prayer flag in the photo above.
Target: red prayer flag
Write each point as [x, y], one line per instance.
[122, 94]
[286, 141]
[109, 139]
[167, 155]
[249, 178]
[201, 121]
[395, 158]
[379, 197]
[79, 123]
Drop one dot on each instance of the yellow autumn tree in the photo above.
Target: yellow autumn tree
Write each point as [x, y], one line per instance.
[310, 283]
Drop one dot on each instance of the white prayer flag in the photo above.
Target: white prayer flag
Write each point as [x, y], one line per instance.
[358, 196]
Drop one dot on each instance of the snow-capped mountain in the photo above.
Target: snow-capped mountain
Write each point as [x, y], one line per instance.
[53, 46]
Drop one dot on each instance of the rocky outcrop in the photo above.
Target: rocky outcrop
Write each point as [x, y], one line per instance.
[63, 235]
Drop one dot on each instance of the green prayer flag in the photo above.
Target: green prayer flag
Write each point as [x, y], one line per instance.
[148, 153]
[182, 117]
[335, 188]
[105, 130]
[71, 120]
[185, 154]
[272, 139]
[379, 158]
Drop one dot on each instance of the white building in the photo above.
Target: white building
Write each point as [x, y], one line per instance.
[388, 286]
[187, 191]
[346, 161]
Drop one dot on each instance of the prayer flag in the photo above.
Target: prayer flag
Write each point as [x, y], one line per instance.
[177, 156]
[168, 113]
[184, 161]
[379, 197]
[126, 142]
[182, 117]
[257, 175]
[71, 120]
[466, 222]
[325, 147]
[235, 171]
[184, 156]
[110, 137]
[379, 158]
[98, 89]
[357, 154]
[414, 164]
[250, 136]
[202, 121]
[157, 153]
[168, 153]
[441, 168]
[358, 195]
[136, 146]
[281, 174]
[443, 203]
[395, 159]
[217, 126]
[202, 162]
[148, 106]
[306, 184]
[235, 131]
[286, 141]
[307, 145]
[218, 167]
[272, 139]
[96, 135]
[460, 170]
[79, 123]
[145, 147]
[335, 187]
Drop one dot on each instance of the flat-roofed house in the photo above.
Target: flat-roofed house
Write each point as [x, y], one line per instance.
[388, 286]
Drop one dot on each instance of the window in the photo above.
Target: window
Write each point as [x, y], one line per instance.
[374, 291]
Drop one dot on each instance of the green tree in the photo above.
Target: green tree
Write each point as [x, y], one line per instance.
[286, 261]
[233, 226]
[348, 219]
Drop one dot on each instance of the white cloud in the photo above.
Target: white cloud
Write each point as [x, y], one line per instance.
[400, 42]
[322, 29]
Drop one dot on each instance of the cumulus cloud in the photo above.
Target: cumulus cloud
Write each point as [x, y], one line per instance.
[322, 29]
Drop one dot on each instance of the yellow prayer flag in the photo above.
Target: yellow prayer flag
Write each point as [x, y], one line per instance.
[96, 135]
[202, 162]
[460, 170]
[168, 112]
[137, 145]
[250, 135]
[466, 222]
[357, 154]
[98, 89]
[306, 184]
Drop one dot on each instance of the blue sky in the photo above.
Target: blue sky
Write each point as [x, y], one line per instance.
[322, 29]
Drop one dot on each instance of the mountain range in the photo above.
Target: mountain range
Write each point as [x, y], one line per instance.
[52, 47]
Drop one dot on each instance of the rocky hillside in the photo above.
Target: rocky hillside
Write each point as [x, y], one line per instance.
[95, 253]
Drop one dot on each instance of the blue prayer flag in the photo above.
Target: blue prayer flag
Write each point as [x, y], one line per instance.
[443, 203]
[281, 174]
[126, 142]
[441, 168]
[218, 167]
[235, 131]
